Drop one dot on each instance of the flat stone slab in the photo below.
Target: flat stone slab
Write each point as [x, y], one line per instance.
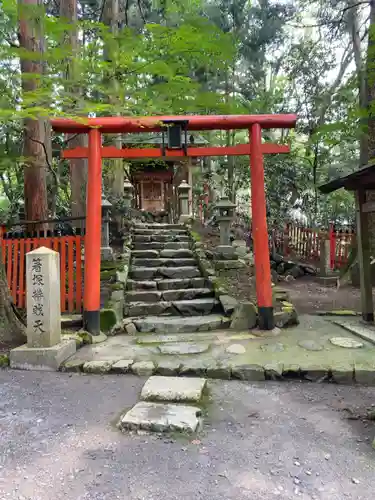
[195, 307]
[187, 294]
[179, 272]
[165, 325]
[98, 367]
[173, 389]
[122, 366]
[143, 273]
[168, 367]
[310, 345]
[183, 348]
[362, 331]
[159, 417]
[141, 285]
[164, 262]
[181, 283]
[145, 254]
[236, 349]
[147, 308]
[181, 253]
[41, 358]
[143, 368]
[143, 296]
[346, 342]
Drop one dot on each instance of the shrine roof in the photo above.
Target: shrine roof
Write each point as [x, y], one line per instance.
[362, 178]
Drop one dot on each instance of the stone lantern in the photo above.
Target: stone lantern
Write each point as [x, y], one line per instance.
[226, 212]
[183, 197]
[106, 251]
[128, 194]
[224, 254]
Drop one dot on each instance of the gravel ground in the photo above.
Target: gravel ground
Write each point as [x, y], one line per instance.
[260, 441]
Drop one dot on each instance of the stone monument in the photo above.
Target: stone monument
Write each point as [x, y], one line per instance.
[183, 196]
[106, 252]
[44, 349]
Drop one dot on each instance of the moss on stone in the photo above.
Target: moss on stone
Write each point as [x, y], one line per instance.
[85, 336]
[74, 336]
[111, 265]
[116, 286]
[4, 360]
[343, 312]
[195, 236]
[287, 304]
[107, 274]
[108, 319]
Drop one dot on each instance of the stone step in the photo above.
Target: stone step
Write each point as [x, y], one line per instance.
[141, 285]
[161, 417]
[149, 273]
[163, 254]
[159, 226]
[158, 245]
[163, 262]
[174, 324]
[168, 295]
[176, 254]
[173, 389]
[166, 284]
[194, 307]
[145, 254]
[159, 231]
[148, 238]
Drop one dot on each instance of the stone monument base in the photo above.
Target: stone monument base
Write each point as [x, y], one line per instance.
[228, 264]
[106, 254]
[42, 358]
[184, 219]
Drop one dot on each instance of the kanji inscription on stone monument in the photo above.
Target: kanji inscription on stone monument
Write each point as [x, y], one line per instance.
[43, 298]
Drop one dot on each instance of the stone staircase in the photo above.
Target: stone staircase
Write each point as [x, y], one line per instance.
[166, 292]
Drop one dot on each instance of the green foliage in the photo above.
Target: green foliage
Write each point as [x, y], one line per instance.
[201, 56]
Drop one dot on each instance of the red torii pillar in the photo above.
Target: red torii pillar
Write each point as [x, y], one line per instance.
[260, 231]
[91, 297]
[96, 126]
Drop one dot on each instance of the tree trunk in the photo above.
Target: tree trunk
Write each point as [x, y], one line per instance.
[111, 19]
[12, 330]
[78, 167]
[34, 151]
[368, 140]
[353, 22]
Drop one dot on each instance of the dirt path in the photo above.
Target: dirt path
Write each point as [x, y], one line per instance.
[308, 296]
[260, 441]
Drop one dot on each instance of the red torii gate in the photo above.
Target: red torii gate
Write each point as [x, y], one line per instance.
[95, 127]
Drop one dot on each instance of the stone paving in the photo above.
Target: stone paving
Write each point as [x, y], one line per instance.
[304, 351]
[158, 411]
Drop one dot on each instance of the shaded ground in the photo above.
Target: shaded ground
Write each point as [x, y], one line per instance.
[306, 294]
[260, 442]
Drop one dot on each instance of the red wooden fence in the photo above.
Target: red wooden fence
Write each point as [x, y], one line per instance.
[304, 243]
[14, 251]
[340, 244]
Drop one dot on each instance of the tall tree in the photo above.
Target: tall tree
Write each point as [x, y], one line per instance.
[31, 19]
[78, 167]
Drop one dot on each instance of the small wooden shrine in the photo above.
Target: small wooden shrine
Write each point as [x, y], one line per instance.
[155, 180]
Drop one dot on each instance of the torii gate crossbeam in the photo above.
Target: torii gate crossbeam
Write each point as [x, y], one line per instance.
[95, 127]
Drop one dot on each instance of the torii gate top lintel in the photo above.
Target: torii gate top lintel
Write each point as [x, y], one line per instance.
[255, 149]
[113, 125]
